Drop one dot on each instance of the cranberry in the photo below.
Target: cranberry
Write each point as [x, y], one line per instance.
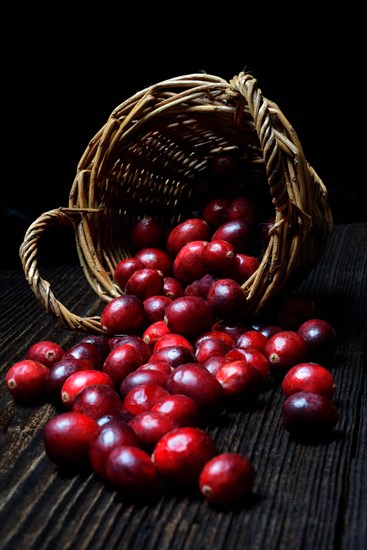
[213, 364]
[243, 208]
[157, 365]
[130, 471]
[200, 287]
[155, 258]
[123, 314]
[173, 355]
[154, 332]
[150, 426]
[113, 433]
[253, 356]
[236, 232]
[124, 269]
[67, 437]
[97, 400]
[182, 408]
[223, 166]
[192, 229]
[45, 352]
[309, 415]
[240, 380]
[227, 298]
[218, 256]
[121, 361]
[189, 315]
[172, 288]
[285, 349]
[181, 454]
[232, 327]
[60, 371]
[268, 330]
[243, 266]
[220, 334]
[77, 381]
[147, 232]
[88, 351]
[308, 377]
[144, 283]
[210, 347]
[26, 381]
[196, 381]
[320, 336]
[102, 343]
[226, 479]
[252, 339]
[155, 307]
[189, 264]
[172, 339]
[143, 376]
[215, 211]
[137, 342]
[142, 397]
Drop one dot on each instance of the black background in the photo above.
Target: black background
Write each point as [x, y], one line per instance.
[63, 75]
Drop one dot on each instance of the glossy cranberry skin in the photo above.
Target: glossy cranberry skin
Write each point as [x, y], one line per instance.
[155, 258]
[181, 454]
[196, 381]
[173, 339]
[210, 347]
[243, 266]
[227, 479]
[97, 400]
[221, 335]
[123, 315]
[87, 351]
[150, 426]
[213, 364]
[154, 332]
[320, 337]
[147, 232]
[215, 211]
[155, 307]
[253, 356]
[232, 327]
[237, 233]
[308, 415]
[130, 471]
[182, 408]
[173, 355]
[144, 283]
[26, 381]
[200, 287]
[79, 380]
[60, 371]
[310, 377]
[227, 299]
[102, 343]
[124, 269]
[142, 398]
[189, 265]
[192, 229]
[189, 315]
[252, 339]
[240, 381]
[172, 288]
[223, 166]
[285, 349]
[46, 352]
[67, 437]
[121, 361]
[143, 376]
[218, 256]
[137, 342]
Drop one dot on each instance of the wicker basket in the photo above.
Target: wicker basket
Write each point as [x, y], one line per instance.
[151, 153]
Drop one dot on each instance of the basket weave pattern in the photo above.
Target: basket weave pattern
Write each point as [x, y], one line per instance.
[148, 157]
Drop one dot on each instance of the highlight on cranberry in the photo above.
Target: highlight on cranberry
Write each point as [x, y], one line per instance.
[178, 349]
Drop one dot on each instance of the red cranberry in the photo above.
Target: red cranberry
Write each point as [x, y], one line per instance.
[130, 471]
[45, 352]
[88, 351]
[223, 166]
[121, 361]
[285, 349]
[215, 211]
[189, 315]
[226, 479]
[241, 381]
[155, 307]
[137, 342]
[243, 266]
[320, 336]
[113, 433]
[227, 299]
[213, 364]
[253, 356]
[308, 415]
[236, 232]
[268, 330]
[155, 258]
[60, 371]
[97, 400]
[147, 232]
[154, 332]
[210, 347]
[150, 426]
[195, 381]
[189, 265]
[308, 377]
[172, 288]
[102, 343]
[232, 327]
[79, 380]
[142, 398]
[124, 314]
[144, 283]
[182, 408]
[143, 376]
[124, 269]
[252, 339]
[243, 208]
[192, 229]
[201, 286]
[172, 339]
[26, 381]
[173, 355]
[67, 437]
[157, 365]
[218, 256]
[220, 334]
[181, 454]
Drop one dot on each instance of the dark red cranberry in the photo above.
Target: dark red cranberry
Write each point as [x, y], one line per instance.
[155, 307]
[113, 433]
[243, 266]
[244, 208]
[121, 361]
[173, 339]
[213, 364]
[87, 351]
[241, 381]
[182, 408]
[320, 337]
[227, 299]
[143, 397]
[196, 381]
[26, 381]
[200, 287]
[237, 233]
[252, 339]
[143, 376]
[253, 356]
[285, 349]
[308, 377]
[220, 334]
[268, 330]
[154, 332]
[150, 426]
[97, 400]
[46, 352]
[308, 415]
[215, 211]
[172, 288]
[189, 264]
[130, 471]
[226, 479]
[232, 327]
[144, 283]
[137, 342]
[79, 380]
[210, 347]
[218, 256]
[157, 365]
[67, 437]
[123, 315]
[155, 258]
[174, 355]
[60, 371]
[192, 229]
[101, 342]
[146, 232]
[181, 454]
[223, 166]
[189, 315]
[124, 269]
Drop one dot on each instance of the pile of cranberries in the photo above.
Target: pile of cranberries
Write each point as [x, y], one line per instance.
[177, 350]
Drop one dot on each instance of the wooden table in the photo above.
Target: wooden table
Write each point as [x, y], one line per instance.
[305, 496]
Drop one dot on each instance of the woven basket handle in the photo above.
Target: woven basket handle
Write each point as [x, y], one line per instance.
[28, 252]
